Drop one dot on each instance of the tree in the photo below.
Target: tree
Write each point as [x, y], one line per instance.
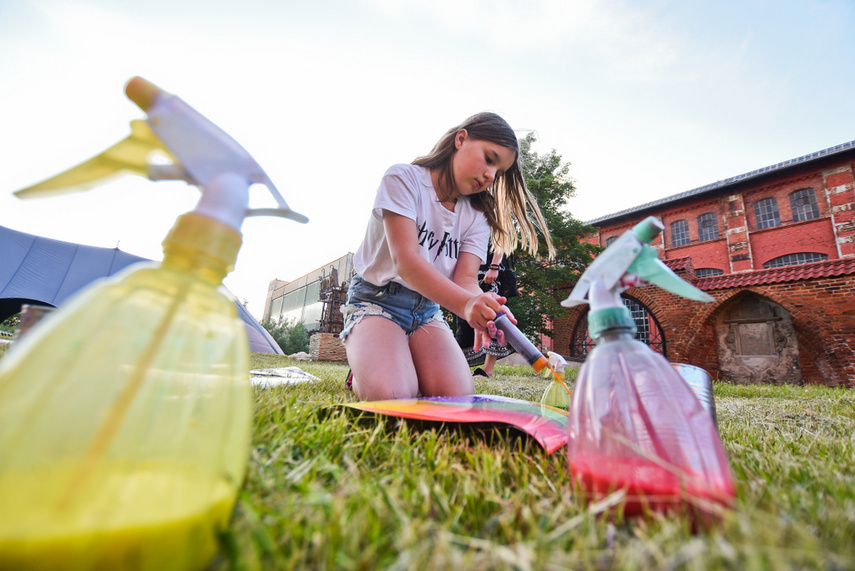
[291, 338]
[298, 340]
[544, 284]
[10, 323]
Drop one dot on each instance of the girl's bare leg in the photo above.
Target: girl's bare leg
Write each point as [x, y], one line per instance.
[379, 355]
[489, 364]
[442, 369]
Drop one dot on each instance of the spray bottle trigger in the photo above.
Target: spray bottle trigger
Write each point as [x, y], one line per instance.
[651, 269]
[609, 267]
[128, 156]
[283, 210]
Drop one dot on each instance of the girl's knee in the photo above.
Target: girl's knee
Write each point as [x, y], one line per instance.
[374, 388]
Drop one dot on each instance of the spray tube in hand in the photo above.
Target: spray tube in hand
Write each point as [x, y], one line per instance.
[521, 343]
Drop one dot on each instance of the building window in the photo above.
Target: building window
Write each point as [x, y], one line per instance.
[610, 240]
[707, 227]
[708, 272]
[795, 260]
[640, 317]
[803, 205]
[679, 233]
[766, 213]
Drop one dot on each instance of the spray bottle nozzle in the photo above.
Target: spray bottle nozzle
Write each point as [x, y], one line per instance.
[199, 151]
[647, 230]
[632, 254]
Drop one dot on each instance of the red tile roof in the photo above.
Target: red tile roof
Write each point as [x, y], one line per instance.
[824, 269]
[678, 264]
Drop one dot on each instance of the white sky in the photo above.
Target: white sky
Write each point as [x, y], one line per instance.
[645, 99]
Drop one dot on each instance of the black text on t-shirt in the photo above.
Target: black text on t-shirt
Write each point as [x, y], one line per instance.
[447, 245]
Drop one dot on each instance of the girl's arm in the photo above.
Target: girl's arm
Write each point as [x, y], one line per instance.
[473, 305]
[466, 272]
[493, 271]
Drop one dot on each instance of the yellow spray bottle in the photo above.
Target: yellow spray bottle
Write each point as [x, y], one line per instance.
[556, 394]
[126, 414]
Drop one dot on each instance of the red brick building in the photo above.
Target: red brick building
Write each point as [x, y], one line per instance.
[775, 247]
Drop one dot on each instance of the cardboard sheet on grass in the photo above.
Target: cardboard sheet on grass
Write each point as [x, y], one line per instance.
[547, 425]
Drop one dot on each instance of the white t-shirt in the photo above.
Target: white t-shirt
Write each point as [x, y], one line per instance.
[443, 235]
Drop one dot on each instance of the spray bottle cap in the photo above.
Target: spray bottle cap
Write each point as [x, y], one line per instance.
[607, 311]
[647, 230]
[201, 154]
[206, 156]
[556, 362]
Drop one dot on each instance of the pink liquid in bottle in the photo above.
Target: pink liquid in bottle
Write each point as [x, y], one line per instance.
[636, 426]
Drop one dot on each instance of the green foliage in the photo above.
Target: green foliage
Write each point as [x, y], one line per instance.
[291, 338]
[298, 340]
[10, 323]
[544, 284]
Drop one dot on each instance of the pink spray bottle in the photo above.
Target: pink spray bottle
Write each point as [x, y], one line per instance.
[635, 426]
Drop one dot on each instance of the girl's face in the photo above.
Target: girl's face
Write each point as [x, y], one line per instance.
[477, 163]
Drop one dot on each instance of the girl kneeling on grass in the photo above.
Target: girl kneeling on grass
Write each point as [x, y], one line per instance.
[426, 238]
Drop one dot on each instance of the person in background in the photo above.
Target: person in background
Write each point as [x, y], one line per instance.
[426, 238]
[496, 276]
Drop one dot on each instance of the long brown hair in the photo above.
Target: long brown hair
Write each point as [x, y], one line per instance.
[510, 208]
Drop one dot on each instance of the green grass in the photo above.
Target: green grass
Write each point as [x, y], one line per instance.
[323, 491]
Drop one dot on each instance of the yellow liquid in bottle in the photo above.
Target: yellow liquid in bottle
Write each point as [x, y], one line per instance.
[174, 530]
[125, 427]
[557, 394]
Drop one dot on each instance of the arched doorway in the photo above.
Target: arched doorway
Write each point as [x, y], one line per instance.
[648, 330]
[756, 342]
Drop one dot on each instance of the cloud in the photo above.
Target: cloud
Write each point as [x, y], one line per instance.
[629, 41]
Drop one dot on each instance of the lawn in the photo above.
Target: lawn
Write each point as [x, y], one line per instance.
[323, 491]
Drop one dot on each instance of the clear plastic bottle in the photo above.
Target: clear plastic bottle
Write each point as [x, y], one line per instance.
[126, 414]
[635, 424]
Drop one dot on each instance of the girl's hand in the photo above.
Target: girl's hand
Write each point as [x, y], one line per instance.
[491, 276]
[483, 336]
[482, 309]
[507, 311]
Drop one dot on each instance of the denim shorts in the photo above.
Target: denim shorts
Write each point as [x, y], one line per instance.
[409, 309]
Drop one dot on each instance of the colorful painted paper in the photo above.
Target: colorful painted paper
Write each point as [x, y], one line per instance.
[547, 425]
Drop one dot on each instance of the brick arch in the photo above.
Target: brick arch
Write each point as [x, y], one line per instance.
[813, 336]
[817, 340]
[648, 297]
[695, 340]
[661, 304]
[642, 294]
